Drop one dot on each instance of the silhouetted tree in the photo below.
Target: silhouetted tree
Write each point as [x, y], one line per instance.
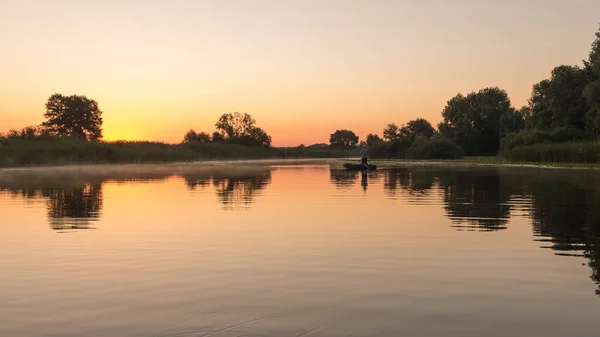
[235, 125]
[592, 90]
[512, 121]
[73, 116]
[343, 138]
[192, 136]
[29, 133]
[259, 137]
[559, 101]
[391, 132]
[217, 137]
[240, 129]
[417, 127]
[373, 139]
[473, 122]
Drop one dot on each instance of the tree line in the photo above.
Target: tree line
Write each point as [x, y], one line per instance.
[79, 117]
[232, 128]
[563, 108]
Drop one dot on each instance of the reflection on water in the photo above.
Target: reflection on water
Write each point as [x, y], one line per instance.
[71, 208]
[477, 199]
[561, 206]
[233, 192]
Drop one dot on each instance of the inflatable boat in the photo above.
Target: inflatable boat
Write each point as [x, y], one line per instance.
[355, 166]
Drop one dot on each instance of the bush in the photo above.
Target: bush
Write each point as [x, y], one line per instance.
[396, 148]
[434, 148]
[530, 137]
[19, 152]
[573, 152]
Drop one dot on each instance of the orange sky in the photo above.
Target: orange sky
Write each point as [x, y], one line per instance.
[302, 69]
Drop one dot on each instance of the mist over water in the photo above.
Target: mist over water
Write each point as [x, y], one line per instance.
[299, 249]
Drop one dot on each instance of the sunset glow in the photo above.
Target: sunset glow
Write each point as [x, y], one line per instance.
[302, 69]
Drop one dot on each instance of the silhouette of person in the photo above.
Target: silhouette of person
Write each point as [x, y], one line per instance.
[363, 155]
[363, 180]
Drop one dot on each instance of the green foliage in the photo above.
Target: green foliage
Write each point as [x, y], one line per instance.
[582, 152]
[512, 121]
[18, 152]
[559, 101]
[529, 137]
[592, 90]
[474, 121]
[73, 116]
[594, 57]
[433, 148]
[343, 139]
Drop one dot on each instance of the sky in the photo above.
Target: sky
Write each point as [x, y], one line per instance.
[301, 68]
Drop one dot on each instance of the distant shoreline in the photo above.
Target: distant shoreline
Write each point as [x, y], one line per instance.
[249, 164]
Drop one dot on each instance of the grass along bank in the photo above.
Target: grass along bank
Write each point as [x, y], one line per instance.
[27, 153]
[478, 161]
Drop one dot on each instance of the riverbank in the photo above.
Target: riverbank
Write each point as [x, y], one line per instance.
[480, 161]
[60, 153]
[27, 153]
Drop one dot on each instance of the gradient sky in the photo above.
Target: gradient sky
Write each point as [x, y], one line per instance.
[302, 69]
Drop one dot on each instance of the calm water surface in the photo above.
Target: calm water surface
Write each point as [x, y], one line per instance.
[299, 250]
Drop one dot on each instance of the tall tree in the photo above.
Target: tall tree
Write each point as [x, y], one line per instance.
[512, 121]
[235, 125]
[259, 137]
[343, 138]
[240, 129]
[473, 122]
[391, 132]
[373, 139]
[559, 101]
[417, 127]
[73, 116]
[592, 90]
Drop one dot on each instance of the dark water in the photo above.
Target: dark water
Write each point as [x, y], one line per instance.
[299, 250]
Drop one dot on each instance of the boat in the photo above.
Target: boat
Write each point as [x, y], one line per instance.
[354, 166]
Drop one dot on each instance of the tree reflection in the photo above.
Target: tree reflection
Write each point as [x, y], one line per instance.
[196, 182]
[234, 192]
[343, 179]
[476, 200]
[69, 208]
[566, 218]
[415, 182]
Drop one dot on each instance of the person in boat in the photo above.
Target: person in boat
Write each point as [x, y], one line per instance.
[363, 155]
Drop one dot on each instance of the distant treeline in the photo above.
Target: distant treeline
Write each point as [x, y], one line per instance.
[64, 151]
[563, 114]
[562, 117]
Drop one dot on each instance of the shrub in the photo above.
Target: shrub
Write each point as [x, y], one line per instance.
[572, 152]
[434, 148]
[530, 137]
